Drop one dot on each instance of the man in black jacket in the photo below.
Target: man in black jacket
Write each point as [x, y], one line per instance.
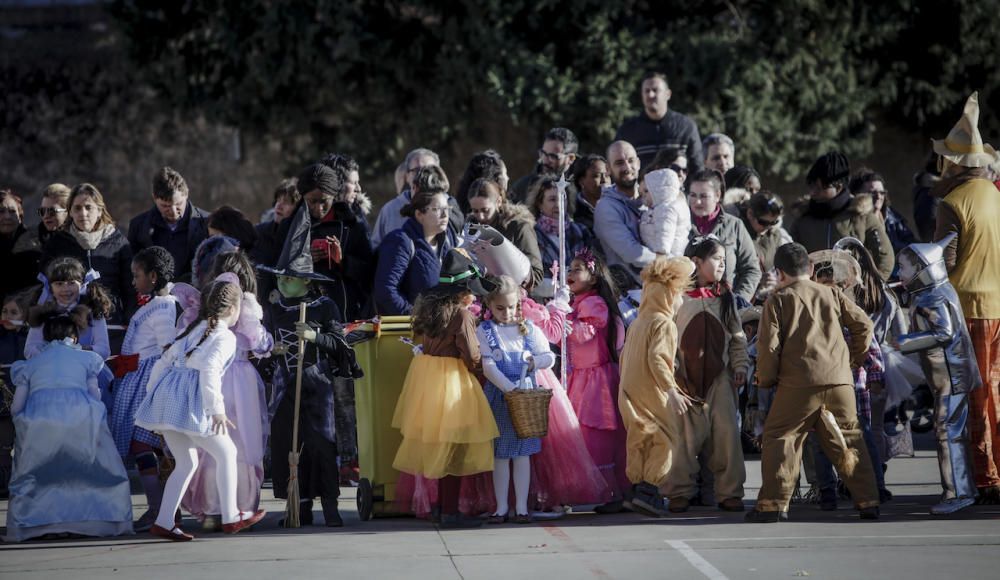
[173, 223]
[658, 128]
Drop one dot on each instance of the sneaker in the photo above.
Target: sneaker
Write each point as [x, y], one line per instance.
[646, 499]
[828, 500]
[811, 496]
[759, 517]
[244, 522]
[869, 513]
[732, 504]
[951, 505]
[884, 495]
[146, 521]
[679, 505]
[211, 523]
[460, 521]
[612, 507]
[174, 535]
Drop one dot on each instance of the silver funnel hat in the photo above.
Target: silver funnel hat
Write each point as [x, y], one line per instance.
[930, 269]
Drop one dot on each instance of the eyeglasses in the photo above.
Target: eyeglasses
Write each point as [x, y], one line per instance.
[50, 211]
[551, 156]
[678, 169]
[766, 223]
[8, 211]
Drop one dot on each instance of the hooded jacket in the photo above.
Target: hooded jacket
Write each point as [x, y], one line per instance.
[407, 265]
[616, 225]
[820, 225]
[664, 227]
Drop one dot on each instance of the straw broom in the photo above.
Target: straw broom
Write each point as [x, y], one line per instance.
[292, 505]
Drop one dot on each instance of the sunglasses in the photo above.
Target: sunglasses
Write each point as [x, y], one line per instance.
[766, 223]
[679, 169]
[50, 211]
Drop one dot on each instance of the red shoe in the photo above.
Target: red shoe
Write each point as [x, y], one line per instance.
[174, 535]
[243, 522]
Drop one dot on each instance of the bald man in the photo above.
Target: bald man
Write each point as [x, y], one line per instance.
[616, 217]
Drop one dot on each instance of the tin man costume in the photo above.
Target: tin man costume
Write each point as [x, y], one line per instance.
[948, 360]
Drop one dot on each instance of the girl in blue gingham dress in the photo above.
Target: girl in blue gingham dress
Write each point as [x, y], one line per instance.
[511, 348]
[184, 402]
[150, 330]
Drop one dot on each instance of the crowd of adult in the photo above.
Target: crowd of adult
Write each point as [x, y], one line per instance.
[380, 265]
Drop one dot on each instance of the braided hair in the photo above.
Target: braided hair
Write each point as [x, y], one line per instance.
[156, 260]
[216, 299]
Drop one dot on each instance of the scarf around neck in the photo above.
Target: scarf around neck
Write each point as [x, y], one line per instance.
[90, 240]
[549, 225]
[706, 223]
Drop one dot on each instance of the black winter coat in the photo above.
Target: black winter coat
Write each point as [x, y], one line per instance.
[352, 277]
[112, 258]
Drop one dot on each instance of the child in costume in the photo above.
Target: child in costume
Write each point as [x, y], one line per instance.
[67, 477]
[712, 365]
[948, 359]
[649, 395]
[563, 472]
[246, 404]
[67, 283]
[802, 352]
[664, 227]
[447, 425]
[150, 331]
[513, 349]
[13, 335]
[327, 358]
[839, 268]
[184, 402]
[594, 344]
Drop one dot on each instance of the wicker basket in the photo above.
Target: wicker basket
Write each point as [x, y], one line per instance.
[529, 411]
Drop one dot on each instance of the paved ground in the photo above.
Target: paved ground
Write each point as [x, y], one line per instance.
[906, 544]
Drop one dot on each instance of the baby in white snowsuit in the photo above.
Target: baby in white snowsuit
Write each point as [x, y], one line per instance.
[664, 226]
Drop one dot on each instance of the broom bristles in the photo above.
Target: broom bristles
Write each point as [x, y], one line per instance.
[292, 505]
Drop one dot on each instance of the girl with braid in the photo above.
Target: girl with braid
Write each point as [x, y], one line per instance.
[184, 402]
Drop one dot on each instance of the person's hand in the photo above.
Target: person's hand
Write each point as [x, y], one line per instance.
[530, 360]
[739, 379]
[677, 401]
[562, 294]
[336, 253]
[279, 349]
[305, 332]
[221, 424]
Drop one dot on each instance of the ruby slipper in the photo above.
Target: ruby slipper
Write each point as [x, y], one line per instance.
[174, 535]
[242, 523]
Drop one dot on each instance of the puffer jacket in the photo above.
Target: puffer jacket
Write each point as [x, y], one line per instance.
[407, 265]
[821, 225]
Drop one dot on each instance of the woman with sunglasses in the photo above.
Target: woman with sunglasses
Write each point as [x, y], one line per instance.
[761, 215]
[18, 253]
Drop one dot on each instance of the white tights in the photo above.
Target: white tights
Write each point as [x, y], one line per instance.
[501, 484]
[184, 448]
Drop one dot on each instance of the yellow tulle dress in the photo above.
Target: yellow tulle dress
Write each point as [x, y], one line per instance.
[446, 422]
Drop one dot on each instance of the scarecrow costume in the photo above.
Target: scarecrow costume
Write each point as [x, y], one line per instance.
[803, 355]
[327, 359]
[948, 361]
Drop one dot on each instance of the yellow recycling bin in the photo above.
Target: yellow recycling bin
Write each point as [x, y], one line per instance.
[385, 360]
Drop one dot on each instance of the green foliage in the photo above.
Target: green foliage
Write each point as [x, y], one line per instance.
[787, 79]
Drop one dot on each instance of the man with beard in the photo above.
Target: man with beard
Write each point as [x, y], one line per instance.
[558, 152]
[616, 217]
[657, 128]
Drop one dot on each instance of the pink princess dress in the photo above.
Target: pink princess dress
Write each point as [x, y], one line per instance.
[563, 473]
[593, 388]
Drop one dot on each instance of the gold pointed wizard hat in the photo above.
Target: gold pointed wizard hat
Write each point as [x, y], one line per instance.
[964, 145]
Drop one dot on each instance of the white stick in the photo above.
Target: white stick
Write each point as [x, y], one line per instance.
[561, 185]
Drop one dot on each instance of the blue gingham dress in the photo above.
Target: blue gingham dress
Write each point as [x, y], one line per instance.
[510, 364]
[175, 402]
[129, 391]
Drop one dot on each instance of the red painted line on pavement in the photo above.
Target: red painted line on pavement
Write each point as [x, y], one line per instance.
[558, 533]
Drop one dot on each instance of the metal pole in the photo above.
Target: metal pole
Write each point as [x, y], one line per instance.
[563, 355]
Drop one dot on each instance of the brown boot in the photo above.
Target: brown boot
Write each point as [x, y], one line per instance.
[731, 504]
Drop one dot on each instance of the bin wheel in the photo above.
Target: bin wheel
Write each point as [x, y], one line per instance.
[366, 500]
